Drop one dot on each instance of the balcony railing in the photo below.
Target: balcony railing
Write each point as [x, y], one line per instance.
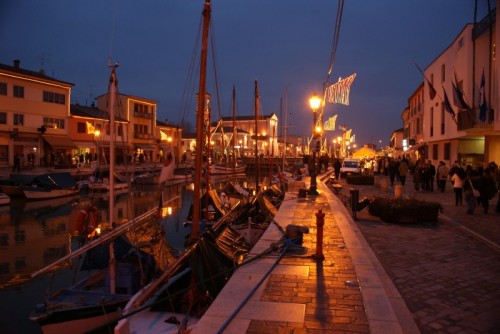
[143, 115]
[144, 136]
[469, 119]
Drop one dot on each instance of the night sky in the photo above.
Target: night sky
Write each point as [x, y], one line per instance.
[283, 44]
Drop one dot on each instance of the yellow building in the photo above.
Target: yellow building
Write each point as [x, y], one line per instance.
[34, 109]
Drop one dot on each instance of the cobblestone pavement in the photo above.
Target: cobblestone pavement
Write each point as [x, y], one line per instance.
[449, 273]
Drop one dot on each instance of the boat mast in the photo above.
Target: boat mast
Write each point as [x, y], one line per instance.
[199, 122]
[256, 110]
[112, 92]
[234, 129]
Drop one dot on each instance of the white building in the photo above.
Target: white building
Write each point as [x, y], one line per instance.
[471, 136]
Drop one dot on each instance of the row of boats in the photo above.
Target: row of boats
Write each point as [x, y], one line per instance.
[146, 286]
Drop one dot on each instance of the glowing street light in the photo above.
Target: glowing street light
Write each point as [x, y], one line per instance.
[315, 103]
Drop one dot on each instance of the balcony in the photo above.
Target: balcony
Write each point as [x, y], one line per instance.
[143, 115]
[144, 136]
[469, 120]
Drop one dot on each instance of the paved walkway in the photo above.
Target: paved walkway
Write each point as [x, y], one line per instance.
[376, 277]
[448, 274]
[348, 292]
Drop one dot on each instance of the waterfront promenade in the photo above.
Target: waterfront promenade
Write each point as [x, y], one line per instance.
[376, 277]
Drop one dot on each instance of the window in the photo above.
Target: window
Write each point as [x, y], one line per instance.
[431, 122]
[53, 123]
[3, 88]
[443, 73]
[447, 151]
[19, 91]
[54, 97]
[19, 119]
[3, 118]
[435, 151]
[442, 118]
[81, 127]
[141, 108]
[120, 130]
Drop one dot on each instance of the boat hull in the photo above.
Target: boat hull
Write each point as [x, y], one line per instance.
[219, 169]
[38, 193]
[70, 323]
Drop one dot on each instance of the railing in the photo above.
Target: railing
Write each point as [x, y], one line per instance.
[143, 115]
[468, 119]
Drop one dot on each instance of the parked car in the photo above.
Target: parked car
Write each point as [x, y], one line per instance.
[350, 166]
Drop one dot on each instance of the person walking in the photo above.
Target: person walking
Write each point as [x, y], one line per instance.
[487, 189]
[458, 184]
[432, 174]
[403, 171]
[336, 165]
[442, 176]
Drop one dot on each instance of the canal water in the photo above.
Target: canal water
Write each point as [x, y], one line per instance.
[35, 234]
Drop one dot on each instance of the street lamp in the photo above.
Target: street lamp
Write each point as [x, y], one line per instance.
[315, 103]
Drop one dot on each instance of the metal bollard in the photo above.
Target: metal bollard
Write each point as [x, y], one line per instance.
[354, 201]
[320, 222]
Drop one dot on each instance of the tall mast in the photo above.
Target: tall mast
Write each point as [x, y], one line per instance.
[112, 92]
[234, 127]
[256, 109]
[199, 122]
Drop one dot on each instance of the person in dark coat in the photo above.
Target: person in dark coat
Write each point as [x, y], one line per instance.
[337, 165]
[487, 189]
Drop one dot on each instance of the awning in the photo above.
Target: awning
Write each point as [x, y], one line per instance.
[147, 147]
[60, 142]
[85, 144]
[117, 144]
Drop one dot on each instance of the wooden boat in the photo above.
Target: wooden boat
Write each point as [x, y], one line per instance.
[173, 302]
[124, 259]
[51, 185]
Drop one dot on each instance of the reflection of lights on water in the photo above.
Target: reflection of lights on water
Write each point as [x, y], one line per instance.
[166, 211]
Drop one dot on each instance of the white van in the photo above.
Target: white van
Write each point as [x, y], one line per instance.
[350, 166]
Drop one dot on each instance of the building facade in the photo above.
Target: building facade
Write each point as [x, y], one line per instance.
[34, 111]
[447, 120]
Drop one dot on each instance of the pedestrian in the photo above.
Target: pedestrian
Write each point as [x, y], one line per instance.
[442, 176]
[403, 171]
[432, 174]
[392, 171]
[337, 164]
[487, 189]
[468, 189]
[458, 184]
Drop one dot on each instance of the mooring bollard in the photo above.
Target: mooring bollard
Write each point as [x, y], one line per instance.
[354, 201]
[320, 222]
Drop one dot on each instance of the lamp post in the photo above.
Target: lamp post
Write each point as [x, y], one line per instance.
[314, 102]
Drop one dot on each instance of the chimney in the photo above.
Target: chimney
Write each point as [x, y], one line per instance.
[17, 63]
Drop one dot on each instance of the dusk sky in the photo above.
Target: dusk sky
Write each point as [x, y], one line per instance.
[283, 44]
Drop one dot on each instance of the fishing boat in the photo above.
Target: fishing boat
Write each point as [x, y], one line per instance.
[233, 166]
[120, 260]
[51, 185]
[178, 298]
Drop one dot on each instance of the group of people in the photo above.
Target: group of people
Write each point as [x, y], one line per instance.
[477, 186]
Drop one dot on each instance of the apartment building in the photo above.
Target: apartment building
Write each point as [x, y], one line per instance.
[455, 123]
[34, 110]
